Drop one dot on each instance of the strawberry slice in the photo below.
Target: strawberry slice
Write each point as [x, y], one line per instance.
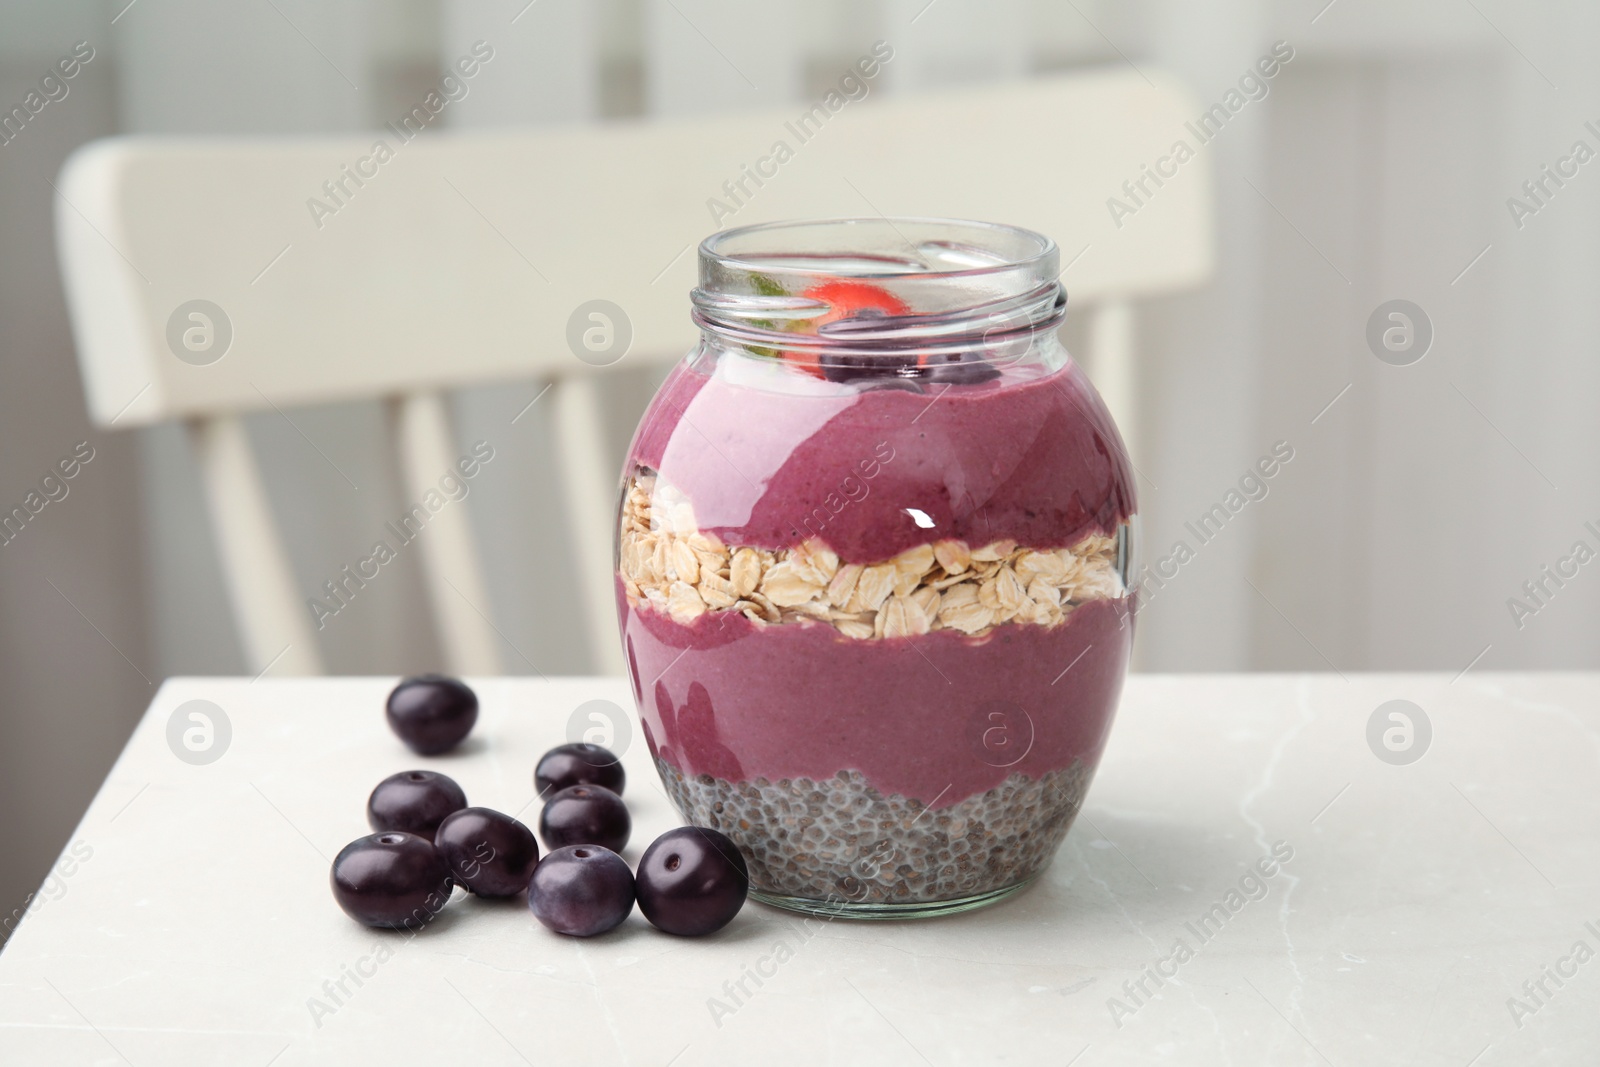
[850, 298]
[845, 299]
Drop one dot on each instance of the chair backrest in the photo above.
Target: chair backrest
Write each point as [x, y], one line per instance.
[208, 278]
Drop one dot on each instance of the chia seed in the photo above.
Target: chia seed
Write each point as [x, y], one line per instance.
[840, 835]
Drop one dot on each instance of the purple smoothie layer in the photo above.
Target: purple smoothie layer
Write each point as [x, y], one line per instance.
[937, 717]
[1028, 457]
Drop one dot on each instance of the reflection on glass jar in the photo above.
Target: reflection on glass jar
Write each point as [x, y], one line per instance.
[873, 564]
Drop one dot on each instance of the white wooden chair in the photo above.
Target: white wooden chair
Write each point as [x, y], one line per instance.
[459, 261]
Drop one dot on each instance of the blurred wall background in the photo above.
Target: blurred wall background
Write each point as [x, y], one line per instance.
[1380, 165]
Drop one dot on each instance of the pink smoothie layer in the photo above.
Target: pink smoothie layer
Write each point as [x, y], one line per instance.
[937, 722]
[1029, 457]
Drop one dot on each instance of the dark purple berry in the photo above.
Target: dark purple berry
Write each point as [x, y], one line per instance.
[905, 385]
[852, 366]
[692, 881]
[414, 802]
[432, 713]
[579, 764]
[581, 890]
[960, 368]
[391, 879]
[585, 815]
[493, 855]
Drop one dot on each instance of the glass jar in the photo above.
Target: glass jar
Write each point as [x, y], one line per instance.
[873, 564]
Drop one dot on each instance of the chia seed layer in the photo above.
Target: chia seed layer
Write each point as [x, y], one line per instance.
[840, 837]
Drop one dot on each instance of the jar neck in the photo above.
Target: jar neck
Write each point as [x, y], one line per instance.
[859, 287]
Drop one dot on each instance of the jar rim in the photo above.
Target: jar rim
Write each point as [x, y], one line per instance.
[1009, 248]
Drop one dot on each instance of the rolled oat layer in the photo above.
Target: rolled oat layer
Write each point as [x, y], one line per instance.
[841, 838]
[669, 564]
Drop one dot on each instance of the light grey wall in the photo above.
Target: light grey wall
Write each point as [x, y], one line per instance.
[76, 663]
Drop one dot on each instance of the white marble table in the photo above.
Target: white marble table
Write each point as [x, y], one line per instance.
[190, 921]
